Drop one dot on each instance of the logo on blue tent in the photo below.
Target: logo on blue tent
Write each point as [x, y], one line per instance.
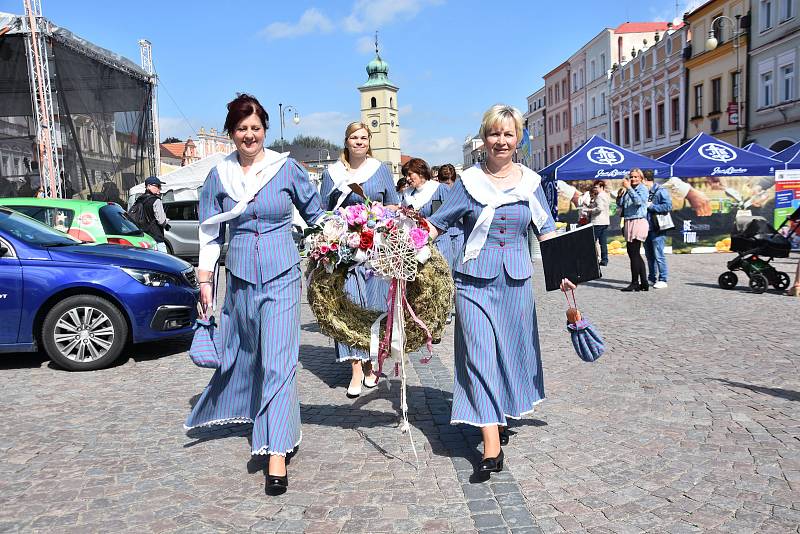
[603, 155]
[716, 152]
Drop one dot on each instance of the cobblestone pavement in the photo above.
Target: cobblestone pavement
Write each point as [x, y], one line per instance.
[690, 423]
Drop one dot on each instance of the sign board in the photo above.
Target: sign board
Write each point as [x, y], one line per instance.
[733, 114]
[787, 194]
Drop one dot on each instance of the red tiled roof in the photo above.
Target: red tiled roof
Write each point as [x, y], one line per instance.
[641, 27]
[174, 149]
[404, 158]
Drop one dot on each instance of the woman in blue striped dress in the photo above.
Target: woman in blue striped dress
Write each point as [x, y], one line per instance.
[357, 167]
[426, 195]
[448, 177]
[498, 368]
[254, 192]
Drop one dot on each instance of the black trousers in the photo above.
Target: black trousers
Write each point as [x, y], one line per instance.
[638, 268]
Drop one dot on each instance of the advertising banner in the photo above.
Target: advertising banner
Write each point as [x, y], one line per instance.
[705, 210]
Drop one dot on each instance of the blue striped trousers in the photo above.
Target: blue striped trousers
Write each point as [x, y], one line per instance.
[260, 327]
[498, 369]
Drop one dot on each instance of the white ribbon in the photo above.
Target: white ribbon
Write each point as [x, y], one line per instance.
[485, 192]
[419, 197]
[242, 188]
[342, 178]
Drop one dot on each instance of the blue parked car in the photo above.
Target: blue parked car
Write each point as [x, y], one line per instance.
[83, 303]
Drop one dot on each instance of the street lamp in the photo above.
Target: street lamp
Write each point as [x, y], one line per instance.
[295, 119]
[711, 44]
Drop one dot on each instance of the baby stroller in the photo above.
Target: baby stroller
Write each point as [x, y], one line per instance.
[757, 246]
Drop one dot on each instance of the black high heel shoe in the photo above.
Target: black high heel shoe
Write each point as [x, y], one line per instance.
[632, 287]
[505, 436]
[491, 465]
[277, 485]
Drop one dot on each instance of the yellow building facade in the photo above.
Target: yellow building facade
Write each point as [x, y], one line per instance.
[716, 90]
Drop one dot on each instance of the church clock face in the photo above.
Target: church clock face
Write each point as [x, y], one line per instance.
[374, 123]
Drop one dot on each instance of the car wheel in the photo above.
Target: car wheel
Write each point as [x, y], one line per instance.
[84, 333]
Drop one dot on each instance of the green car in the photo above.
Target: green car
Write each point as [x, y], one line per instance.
[90, 221]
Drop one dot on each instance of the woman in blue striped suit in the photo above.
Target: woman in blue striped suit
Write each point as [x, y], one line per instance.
[426, 195]
[357, 167]
[498, 368]
[254, 192]
[448, 177]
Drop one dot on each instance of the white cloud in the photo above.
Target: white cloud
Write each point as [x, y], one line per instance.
[365, 45]
[406, 110]
[434, 150]
[371, 14]
[365, 15]
[312, 20]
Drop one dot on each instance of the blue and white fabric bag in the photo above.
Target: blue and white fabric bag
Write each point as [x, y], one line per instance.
[206, 345]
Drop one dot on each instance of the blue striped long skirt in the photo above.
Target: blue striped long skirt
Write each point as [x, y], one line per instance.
[444, 245]
[260, 326]
[498, 369]
[367, 292]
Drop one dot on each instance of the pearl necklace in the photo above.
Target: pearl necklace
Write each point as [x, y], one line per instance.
[496, 177]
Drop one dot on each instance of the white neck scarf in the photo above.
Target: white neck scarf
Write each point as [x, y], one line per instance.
[240, 187]
[419, 197]
[342, 178]
[485, 192]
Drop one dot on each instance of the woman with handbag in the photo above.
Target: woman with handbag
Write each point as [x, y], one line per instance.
[659, 206]
[498, 368]
[253, 191]
[633, 201]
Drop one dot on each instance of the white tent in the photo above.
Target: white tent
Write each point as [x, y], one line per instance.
[183, 183]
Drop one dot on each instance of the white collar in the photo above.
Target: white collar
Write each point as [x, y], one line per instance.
[419, 197]
[342, 178]
[485, 192]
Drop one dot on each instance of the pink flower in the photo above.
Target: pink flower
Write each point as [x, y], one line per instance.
[356, 215]
[353, 239]
[324, 249]
[419, 237]
[378, 211]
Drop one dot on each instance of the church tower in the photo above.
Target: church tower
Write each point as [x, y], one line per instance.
[379, 112]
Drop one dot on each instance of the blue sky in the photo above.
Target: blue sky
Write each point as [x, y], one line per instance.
[451, 59]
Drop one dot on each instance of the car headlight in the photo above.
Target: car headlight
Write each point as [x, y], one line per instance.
[151, 278]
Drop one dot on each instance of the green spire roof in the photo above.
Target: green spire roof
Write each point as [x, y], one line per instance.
[378, 70]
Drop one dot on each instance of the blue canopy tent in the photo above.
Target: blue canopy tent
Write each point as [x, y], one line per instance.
[704, 155]
[755, 148]
[595, 159]
[790, 156]
[598, 158]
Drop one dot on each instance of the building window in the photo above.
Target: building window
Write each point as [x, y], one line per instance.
[592, 70]
[558, 123]
[648, 124]
[716, 95]
[558, 93]
[603, 63]
[766, 15]
[616, 132]
[391, 102]
[558, 151]
[626, 127]
[698, 101]
[564, 87]
[602, 103]
[550, 95]
[788, 10]
[766, 89]
[552, 155]
[594, 107]
[574, 81]
[373, 102]
[717, 28]
[660, 119]
[669, 46]
[675, 114]
[787, 82]
[735, 86]
[637, 128]
[550, 125]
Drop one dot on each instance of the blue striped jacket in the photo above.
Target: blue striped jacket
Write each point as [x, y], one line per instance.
[506, 245]
[261, 245]
[379, 188]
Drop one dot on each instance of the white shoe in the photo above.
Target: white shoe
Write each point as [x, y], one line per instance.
[370, 382]
[660, 285]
